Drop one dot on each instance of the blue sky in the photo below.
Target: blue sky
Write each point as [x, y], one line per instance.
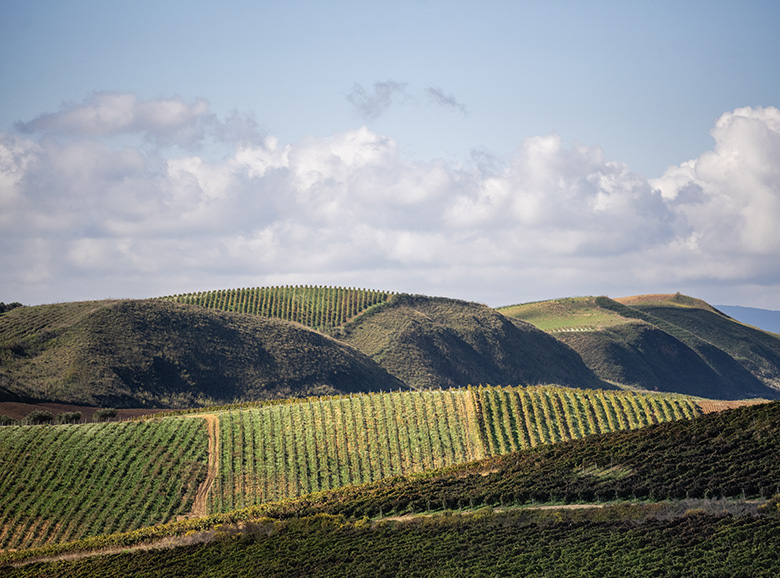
[495, 151]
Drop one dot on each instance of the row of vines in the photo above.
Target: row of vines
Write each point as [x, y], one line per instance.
[289, 450]
[314, 306]
[61, 483]
[283, 451]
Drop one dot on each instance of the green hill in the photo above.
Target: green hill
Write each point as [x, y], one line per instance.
[437, 342]
[250, 344]
[159, 354]
[663, 343]
[730, 456]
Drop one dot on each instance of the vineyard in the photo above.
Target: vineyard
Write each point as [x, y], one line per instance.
[313, 306]
[61, 483]
[292, 449]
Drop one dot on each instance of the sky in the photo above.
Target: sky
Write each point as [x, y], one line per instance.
[495, 151]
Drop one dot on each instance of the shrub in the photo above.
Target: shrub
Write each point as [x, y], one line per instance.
[38, 417]
[5, 420]
[69, 417]
[105, 414]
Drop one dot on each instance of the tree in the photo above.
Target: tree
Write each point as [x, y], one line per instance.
[105, 414]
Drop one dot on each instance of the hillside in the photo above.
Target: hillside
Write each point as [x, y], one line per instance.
[140, 473]
[436, 342]
[729, 455]
[159, 354]
[249, 344]
[663, 343]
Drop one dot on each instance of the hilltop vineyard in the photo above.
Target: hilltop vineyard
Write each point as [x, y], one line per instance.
[286, 450]
[61, 483]
[313, 306]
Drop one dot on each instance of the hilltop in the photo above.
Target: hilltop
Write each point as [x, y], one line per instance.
[663, 343]
[436, 342]
[191, 351]
[158, 354]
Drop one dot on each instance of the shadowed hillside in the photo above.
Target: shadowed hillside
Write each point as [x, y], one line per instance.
[436, 342]
[663, 343]
[153, 353]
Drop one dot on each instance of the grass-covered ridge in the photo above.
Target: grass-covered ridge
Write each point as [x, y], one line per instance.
[314, 306]
[663, 343]
[153, 353]
[432, 342]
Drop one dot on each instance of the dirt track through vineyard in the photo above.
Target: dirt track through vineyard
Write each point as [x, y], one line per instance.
[199, 505]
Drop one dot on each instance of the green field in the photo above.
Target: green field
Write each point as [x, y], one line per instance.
[288, 450]
[571, 313]
[60, 483]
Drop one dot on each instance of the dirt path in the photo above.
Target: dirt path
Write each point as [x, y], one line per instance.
[199, 505]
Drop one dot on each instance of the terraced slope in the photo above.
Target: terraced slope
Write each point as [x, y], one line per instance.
[663, 343]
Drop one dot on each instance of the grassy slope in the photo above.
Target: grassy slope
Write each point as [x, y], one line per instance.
[153, 353]
[688, 347]
[436, 342]
[732, 453]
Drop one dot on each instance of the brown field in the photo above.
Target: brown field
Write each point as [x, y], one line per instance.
[18, 410]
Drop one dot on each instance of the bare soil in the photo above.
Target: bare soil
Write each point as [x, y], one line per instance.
[18, 410]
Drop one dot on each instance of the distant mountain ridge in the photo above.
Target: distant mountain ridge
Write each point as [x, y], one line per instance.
[765, 319]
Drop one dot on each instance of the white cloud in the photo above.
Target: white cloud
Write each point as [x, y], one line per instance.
[165, 121]
[548, 221]
[730, 196]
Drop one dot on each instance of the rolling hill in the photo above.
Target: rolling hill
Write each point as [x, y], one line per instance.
[249, 344]
[65, 482]
[158, 354]
[436, 342]
[663, 343]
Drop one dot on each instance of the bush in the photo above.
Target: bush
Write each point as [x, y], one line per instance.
[105, 414]
[8, 306]
[69, 417]
[38, 417]
[5, 420]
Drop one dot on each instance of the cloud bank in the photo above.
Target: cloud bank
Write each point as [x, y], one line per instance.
[83, 216]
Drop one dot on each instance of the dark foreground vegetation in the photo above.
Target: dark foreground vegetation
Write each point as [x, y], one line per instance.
[618, 541]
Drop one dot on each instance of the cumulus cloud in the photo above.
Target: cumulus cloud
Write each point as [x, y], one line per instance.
[164, 121]
[547, 221]
[729, 198]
